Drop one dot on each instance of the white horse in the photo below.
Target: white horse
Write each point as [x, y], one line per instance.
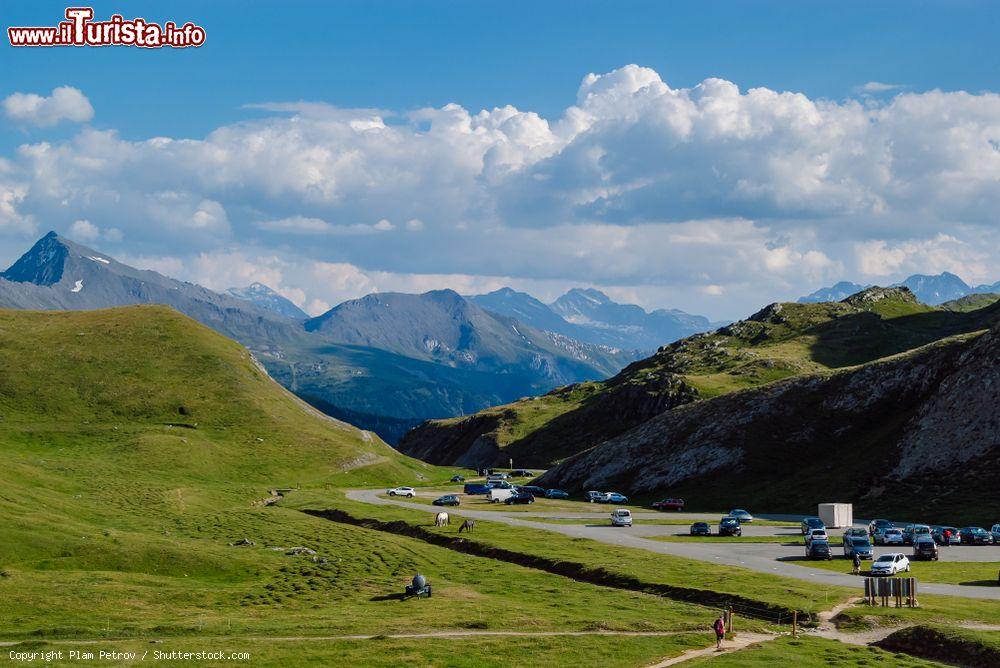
[442, 519]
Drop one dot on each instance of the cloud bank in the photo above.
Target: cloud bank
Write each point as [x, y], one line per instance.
[707, 198]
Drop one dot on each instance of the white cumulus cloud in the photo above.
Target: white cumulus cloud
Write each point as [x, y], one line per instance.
[64, 104]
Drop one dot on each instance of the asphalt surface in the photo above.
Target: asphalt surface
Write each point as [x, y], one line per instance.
[773, 558]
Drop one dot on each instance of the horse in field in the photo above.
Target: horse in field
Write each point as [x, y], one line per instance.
[467, 525]
[442, 519]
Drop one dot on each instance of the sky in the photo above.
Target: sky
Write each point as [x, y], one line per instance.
[712, 157]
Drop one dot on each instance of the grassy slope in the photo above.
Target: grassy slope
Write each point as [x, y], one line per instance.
[971, 302]
[782, 340]
[132, 443]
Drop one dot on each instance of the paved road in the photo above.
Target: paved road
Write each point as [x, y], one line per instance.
[765, 558]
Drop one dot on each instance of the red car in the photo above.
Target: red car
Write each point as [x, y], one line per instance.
[669, 504]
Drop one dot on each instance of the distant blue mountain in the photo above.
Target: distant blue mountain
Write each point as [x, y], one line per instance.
[929, 289]
[836, 293]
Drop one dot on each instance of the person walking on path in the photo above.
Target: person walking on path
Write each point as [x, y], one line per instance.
[720, 632]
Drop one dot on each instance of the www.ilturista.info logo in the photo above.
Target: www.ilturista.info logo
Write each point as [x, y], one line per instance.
[79, 29]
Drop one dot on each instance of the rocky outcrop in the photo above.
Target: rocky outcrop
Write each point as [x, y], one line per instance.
[875, 294]
[961, 422]
[470, 440]
[881, 436]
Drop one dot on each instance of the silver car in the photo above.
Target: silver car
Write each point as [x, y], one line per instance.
[889, 536]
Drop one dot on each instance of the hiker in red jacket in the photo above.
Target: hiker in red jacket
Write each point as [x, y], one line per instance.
[720, 631]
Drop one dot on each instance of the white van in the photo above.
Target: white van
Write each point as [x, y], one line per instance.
[499, 495]
[621, 517]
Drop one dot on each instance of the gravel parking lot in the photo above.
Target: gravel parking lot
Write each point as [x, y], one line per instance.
[775, 558]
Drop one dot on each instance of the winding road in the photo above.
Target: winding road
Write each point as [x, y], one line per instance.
[772, 558]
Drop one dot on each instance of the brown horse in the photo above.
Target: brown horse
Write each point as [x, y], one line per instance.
[467, 525]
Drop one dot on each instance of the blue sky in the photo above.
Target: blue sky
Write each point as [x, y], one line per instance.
[401, 55]
[633, 176]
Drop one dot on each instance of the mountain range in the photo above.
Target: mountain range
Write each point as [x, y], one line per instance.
[929, 289]
[385, 361]
[591, 316]
[779, 342]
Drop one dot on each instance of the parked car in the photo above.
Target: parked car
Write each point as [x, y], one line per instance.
[594, 497]
[924, 547]
[614, 497]
[496, 477]
[810, 523]
[976, 536]
[408, 492]
[856, 532]
[953, 538]
[446, 500]
[743, 516]
[476, 488]
[499, 484]
[556, 494]
[669, 504]
[995, 533]
[888, 536]
[911, 531]
[875, 525]
[730, 526]
[859, 545]
[701, 529]
[621, 517]
[457, 478]
[521, 473]
[818, 549]
[890, 564]
[519, 498]
[817, 534]
[533, 490]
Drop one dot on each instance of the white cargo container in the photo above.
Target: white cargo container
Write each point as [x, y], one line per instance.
[836, 515]
[498, 495]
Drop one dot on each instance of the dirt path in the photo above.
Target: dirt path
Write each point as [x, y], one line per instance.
[741, 641]
[402, 636]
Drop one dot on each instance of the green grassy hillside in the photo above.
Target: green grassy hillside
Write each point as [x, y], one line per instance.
[780, 341]
[971, 302]
[133, 445]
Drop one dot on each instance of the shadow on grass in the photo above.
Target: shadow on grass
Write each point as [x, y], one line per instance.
[389, 597]
[981, 583]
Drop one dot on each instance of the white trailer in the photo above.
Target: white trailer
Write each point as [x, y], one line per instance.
[498, 495]
[836, 515]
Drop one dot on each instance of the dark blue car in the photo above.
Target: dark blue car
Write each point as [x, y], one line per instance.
[556, 494]
[476, 488]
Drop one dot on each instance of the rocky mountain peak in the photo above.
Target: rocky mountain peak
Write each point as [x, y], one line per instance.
[43, 264]
[876, 294]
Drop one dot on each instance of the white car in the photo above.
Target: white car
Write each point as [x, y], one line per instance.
[816, 534]
[891, 564]
[621, 517]
[408, 492]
